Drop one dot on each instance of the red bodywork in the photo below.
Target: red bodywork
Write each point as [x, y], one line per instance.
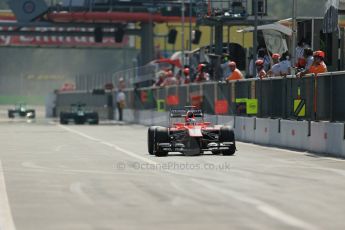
[194, 130]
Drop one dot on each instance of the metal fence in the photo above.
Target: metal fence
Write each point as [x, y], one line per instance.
[130, 77]
[311, 98]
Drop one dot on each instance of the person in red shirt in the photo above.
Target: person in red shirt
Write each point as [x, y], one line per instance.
[235, 73]
[186, 76]
[202, 74]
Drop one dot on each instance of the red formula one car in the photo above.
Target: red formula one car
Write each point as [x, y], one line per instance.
[189, 134]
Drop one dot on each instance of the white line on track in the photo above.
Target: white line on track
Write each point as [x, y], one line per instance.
[129, 153]
[6, 220]
[260, 205]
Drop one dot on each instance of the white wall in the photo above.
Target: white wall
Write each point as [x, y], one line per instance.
[325, 137]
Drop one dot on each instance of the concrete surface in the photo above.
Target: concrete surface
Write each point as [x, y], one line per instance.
[101, 177]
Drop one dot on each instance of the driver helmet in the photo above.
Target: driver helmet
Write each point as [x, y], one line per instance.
[190, 117]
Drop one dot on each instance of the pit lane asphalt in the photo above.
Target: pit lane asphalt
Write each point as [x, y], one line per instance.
[101, 177]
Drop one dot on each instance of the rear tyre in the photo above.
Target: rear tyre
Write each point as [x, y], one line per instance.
[161, 136]
[10, 114]
[63, 119]
[95, 119]
[151, 139]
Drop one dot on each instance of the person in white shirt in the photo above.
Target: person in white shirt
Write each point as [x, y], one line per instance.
[300, 60]
[281, 68]
[308, 55]
[275, 70]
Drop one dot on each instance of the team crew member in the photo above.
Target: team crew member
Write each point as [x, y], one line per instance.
[202, 74]
[308, 55]
[170, 79]
[235, 73]
[260, 71]
[319, 65]
[120, 101]
[275, 70]
[285, 65]
[186, 72]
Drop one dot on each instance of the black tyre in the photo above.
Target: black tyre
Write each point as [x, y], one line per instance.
[151, 139]
[227, 135]
[231, 151]
[95, 119]
[161, 136]
[10, 114]
[63, 119]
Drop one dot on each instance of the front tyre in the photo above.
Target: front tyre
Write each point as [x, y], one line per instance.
[161, 136]
[151, 139]
[231, 151]
[226, 134]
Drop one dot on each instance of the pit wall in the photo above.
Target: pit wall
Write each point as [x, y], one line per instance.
[317, 137]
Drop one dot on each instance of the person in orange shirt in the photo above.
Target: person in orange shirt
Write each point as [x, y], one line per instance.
[319, 65]
[235, 73]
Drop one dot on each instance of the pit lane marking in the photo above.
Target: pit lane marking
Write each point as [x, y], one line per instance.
[6, 219]
[260, 205]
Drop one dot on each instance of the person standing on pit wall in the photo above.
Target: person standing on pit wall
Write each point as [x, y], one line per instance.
[300, 59]
[235, 73]
[261, 73]
[318, 65]
[160, 79]
[275, 70]
[263, 55]
[186, 79]
[120, 102]
[309, 57]
[285, 64]
[202, 74]
[170, 79]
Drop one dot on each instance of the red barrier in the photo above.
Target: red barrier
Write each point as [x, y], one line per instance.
[196, 100]
[143, 96]
[172, 100]
[221, 107]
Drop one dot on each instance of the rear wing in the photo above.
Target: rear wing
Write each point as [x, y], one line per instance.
[176, 113]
